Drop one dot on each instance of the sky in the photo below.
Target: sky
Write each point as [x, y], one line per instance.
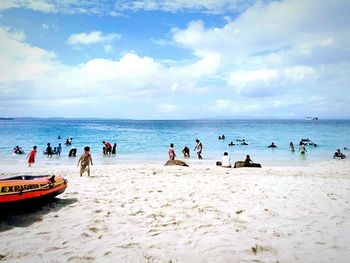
[175, 59]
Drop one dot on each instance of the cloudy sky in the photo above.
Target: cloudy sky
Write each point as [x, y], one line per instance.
[175, 59]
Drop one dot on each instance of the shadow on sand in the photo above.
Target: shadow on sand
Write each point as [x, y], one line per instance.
[25, 214]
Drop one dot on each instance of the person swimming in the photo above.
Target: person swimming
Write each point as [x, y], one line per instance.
[243, 142]
[338, 154]
[272, 145]
[18, 150]
[231, 144]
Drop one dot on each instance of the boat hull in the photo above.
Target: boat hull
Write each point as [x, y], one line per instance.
[30, 188]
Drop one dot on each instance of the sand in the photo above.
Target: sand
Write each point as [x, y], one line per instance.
[201, 213]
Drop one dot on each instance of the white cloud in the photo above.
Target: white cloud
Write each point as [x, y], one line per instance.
[168, 108]
[108, 48]
[276, 27]
[114, 8]
[269, 81]
[277, 48]
[91, 38]
[35, 76]
[275, 58]
[37, 5]
[212, 6]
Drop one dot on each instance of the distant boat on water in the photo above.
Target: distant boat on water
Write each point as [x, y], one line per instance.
[311, 118]
[6, 119]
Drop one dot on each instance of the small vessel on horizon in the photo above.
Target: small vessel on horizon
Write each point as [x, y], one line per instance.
[311, 118]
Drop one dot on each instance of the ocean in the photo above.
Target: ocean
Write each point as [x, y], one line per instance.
[148, 141]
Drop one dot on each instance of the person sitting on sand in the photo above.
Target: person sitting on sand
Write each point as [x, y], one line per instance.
[186, 151]
[171, 152]
[31, 156]
[272, 145]
[199, 148]
[85, 160]
[338, 154]
[226, 161]
[302, 148]
[247, 160]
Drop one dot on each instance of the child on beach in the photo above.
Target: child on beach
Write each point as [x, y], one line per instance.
[85, 160]
[31, 156]
[199, 147]
[171, 152]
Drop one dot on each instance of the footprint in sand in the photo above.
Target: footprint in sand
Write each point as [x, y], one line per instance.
[94, 229]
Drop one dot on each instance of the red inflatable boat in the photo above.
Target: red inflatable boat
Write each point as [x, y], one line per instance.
[27, 188]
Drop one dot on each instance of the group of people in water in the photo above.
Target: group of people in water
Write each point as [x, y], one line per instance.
[111, 150]
[108, 149]
[186, 150]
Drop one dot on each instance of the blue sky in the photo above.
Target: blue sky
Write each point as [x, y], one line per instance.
[175, 59]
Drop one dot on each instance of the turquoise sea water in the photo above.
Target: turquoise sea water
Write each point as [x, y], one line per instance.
[148, 141]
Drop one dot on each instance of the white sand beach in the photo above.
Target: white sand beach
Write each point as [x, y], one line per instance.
[202, 213]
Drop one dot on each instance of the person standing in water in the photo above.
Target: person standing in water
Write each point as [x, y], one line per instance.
[49, 151]
[114, 149]
[199, 148]
[186, 151]
[59, 149]
[291, 147]
[85, 160]
[302, 148]
[31, 156]
[108, 147]
[171, 152]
